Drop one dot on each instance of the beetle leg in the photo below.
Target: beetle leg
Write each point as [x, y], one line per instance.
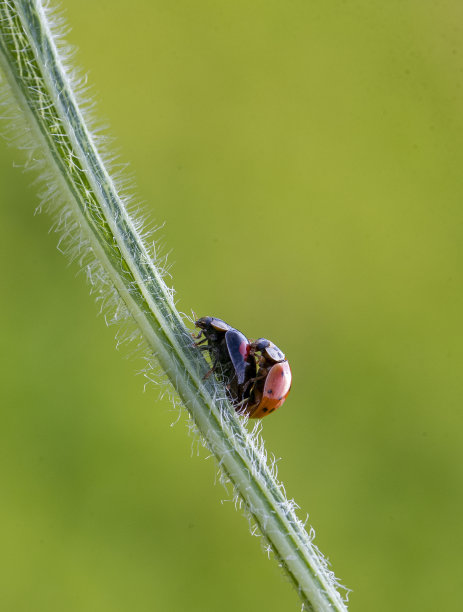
[214, 365]
[253, 380]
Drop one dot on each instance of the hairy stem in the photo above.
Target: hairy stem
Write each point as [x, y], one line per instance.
[35, 76]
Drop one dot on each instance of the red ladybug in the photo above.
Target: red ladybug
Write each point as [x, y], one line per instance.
[273, 381]
[229, 350]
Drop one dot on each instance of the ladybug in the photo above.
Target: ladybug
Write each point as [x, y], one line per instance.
[273, 381]
[257, 374]
[229, 350]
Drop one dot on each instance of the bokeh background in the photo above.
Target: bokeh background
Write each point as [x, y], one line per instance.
[307, 160]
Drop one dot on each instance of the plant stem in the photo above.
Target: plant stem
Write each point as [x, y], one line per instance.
[46, 94]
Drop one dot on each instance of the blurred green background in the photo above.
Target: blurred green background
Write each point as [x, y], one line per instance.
[307, 159]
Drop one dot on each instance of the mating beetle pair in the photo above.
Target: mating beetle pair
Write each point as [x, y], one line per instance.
[256, 374]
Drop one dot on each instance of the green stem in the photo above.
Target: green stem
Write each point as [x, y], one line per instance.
[46, 95]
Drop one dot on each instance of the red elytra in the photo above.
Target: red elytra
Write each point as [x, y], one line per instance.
[276, 389]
